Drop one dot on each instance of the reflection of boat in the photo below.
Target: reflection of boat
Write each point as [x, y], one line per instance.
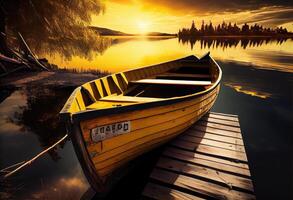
[116, 118]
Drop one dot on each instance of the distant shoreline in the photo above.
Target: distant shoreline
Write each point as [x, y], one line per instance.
[113, 33]
[109, 32]
[205, 36]
[239, 36]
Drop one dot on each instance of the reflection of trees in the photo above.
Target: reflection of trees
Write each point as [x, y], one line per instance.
[228, 42]
[70, 47]
[54, 26]
[41, 115]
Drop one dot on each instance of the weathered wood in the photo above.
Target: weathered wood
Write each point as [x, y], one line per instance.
[224, 117]
[216, 131]
[208, 161]
[220, 121]
[215, 151]
[212, 158]
[210, 190]
[156, 191]
[203, 172]
[224, 114]
[225, 139]
[219, 126]
[10, 60]
[212, 143]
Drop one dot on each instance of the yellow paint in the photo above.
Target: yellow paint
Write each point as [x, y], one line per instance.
[149, 133]
[146, 126]
[143, 145]
[145, 115]
[150, 126]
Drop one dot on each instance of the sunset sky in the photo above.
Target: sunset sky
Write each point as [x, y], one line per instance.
[141, 16]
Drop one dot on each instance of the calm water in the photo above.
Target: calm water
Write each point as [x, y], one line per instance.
[262, 98]
[122, 53]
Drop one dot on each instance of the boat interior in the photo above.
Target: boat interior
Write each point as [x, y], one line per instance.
[182, 77]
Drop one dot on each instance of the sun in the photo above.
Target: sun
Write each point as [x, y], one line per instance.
[143, 26]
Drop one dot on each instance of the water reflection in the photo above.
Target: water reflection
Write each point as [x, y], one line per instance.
[266, 124]
[71, 186]
[29, 124]
[87, 49]
[230, 42]
[68, 48]
[249, 91]
[128, 52]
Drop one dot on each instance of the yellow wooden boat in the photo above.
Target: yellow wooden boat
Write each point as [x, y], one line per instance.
[114, 119]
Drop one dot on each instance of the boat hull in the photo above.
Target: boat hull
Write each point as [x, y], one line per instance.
[149, 128]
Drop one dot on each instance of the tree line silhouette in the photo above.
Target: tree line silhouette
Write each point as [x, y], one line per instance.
[227, 29]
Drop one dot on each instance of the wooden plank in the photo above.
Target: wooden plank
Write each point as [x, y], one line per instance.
[212, 158]
[172, 82]
[170, 74]
[217, 131]
[217, 116]
[201, 148]
[208, 189]
[225, 139]
[208, 161]
[213, 143]
[156, 191]
[219, 126]
[121, 98]
[206, 173]
[220, 121]
[223, 114]
[10, 60]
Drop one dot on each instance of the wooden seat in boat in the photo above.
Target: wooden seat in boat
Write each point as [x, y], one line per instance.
[121, 98]
[179, 75]
[171, 82]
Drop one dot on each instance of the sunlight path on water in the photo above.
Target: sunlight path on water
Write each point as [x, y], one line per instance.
[130, 52]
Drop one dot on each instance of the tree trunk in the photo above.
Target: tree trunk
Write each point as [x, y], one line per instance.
[3, 43]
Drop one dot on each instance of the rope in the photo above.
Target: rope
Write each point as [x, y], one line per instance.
[11, 166]
[25, 163]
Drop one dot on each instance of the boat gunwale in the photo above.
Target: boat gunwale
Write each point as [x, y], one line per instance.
[73, 119]
[88, 114]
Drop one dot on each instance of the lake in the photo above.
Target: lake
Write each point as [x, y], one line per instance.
[123, 53]
[257, 86]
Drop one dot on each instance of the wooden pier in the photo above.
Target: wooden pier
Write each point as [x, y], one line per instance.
[208, 161]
